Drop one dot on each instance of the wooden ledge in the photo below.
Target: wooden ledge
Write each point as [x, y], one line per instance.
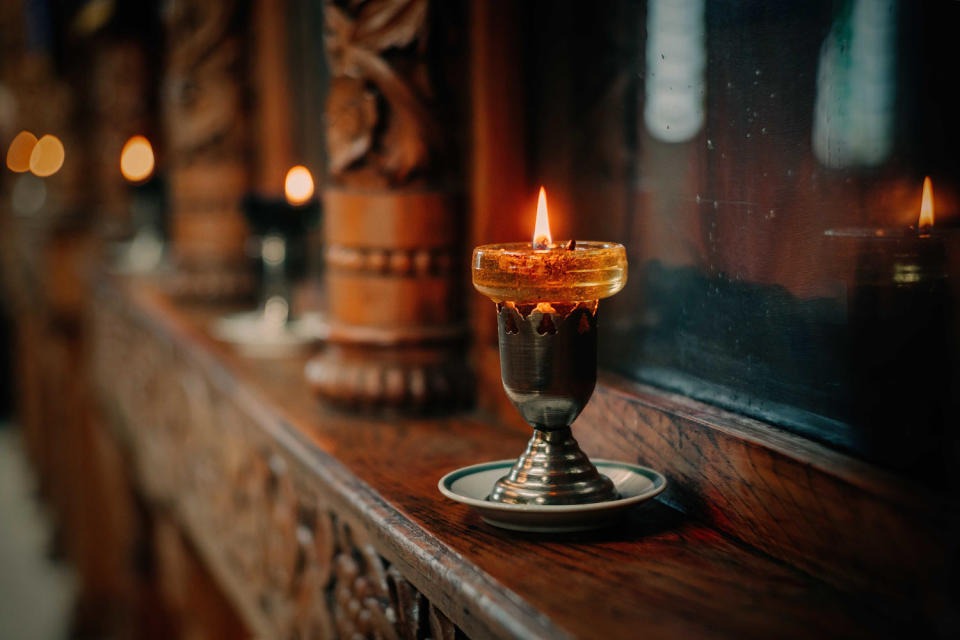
[836, 517]
[819, 457]
[204, 423]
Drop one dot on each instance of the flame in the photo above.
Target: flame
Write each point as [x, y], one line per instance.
[298, 187]
[926, 206]
[541, 233]
[18, 155]
[47, 156]
[136, 159]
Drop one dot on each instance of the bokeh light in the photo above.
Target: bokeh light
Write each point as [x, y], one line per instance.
[298, 187]
[136, 159]
[18, 154]
[47, 156]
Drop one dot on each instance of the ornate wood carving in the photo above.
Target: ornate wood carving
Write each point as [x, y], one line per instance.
[206, 137]
[294, 564]
[377, 54]
[392, 212]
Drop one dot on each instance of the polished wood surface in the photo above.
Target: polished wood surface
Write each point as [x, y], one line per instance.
[835, 517]
[663, 572]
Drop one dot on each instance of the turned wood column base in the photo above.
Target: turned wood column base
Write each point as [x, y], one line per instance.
[393, 279]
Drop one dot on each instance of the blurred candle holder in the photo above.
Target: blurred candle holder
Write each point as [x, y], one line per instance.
[145, 251]
[278, 241]
[547, 296]
[901, 325]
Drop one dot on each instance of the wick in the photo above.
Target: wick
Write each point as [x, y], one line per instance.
[541, 242]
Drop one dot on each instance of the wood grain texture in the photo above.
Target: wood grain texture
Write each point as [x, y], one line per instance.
[831, 515]
[246, 453]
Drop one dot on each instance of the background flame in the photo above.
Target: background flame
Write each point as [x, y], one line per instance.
[18, 155]
[47, 156]
[298, 186]
[926, 204]
[136, 159]
[541, 232]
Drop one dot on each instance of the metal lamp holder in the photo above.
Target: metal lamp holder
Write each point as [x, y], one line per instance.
[548, 363]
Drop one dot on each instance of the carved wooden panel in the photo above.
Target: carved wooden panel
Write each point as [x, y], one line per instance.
[293, 563]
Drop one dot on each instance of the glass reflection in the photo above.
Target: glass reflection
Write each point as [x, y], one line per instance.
[720, 141]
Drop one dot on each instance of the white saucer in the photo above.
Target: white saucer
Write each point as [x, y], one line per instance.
[471, 485]
[248, 332]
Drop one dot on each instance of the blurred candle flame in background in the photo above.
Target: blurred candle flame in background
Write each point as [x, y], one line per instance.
[136, 159]
[541, 232]
[47, 156]
[18, 154]
[926, 206]
[298, 186]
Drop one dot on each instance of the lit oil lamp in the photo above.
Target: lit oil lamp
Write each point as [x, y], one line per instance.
[279, 228]
[547, 296]
[899, 256]
[900, 325]
[144, 252]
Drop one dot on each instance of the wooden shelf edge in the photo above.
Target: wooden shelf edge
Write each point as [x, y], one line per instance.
[822, 458]
[783, 497]
[443, 576]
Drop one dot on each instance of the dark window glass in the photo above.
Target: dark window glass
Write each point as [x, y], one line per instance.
[763, 162]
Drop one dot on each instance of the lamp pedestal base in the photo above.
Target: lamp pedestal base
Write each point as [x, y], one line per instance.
[553, 470]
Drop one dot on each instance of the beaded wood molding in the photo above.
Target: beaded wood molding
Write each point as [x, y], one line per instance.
[401, 262]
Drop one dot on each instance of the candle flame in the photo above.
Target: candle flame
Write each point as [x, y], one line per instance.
[298, 186]
[541, 233]
[136, 159]
[926, 206]
[18, 155]
[47, 156]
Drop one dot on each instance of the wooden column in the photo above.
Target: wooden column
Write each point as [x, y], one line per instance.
[205, 121]
[120, 102]
[393, 207]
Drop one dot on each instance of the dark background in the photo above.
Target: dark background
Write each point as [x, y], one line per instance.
[736, 296]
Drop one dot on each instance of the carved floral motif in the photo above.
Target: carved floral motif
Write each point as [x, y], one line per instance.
[381, 129]
[297, 565]
[203, 101]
